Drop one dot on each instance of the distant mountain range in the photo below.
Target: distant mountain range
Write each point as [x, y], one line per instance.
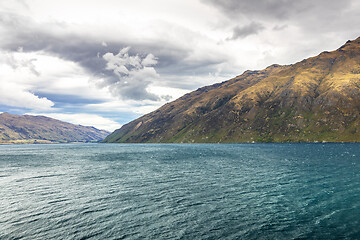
[315, 100]
[40, 129]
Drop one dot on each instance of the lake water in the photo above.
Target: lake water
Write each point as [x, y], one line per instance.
[180, 191]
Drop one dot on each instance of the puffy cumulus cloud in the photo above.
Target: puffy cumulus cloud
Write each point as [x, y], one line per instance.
[134, 75]
[65, 43]
[15, 90]
[84, 119]
[149, 60]
[183, 44]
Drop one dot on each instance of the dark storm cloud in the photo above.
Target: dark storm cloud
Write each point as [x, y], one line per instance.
[58, 39]
[247, 30]
[25, 33]
[55, 38]
[310, 24]
[277, 9]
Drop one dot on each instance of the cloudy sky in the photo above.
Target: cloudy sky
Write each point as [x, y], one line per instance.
[105, 63]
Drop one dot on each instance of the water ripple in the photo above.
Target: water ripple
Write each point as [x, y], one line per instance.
[180, 191]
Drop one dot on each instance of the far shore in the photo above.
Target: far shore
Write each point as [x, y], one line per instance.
[32, 141]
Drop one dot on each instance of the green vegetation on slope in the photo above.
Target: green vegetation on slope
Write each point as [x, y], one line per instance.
[315, 100]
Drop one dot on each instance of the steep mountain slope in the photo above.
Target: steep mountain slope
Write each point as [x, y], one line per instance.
[317, 99]
[40, 129]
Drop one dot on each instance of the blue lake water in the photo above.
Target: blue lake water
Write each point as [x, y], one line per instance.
[180, 191]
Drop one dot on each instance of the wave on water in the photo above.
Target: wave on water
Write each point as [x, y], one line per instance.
[180, 191]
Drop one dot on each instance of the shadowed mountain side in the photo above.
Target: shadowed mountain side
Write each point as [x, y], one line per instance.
[40, 129]
[317, 99]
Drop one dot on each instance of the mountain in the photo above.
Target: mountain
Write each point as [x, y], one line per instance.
[40, 129]
[317, 99]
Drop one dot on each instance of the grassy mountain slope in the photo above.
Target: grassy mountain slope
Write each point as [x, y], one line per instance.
[317, 99]
[40, 129]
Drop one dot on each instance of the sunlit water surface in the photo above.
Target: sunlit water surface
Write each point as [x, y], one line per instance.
[180, 191]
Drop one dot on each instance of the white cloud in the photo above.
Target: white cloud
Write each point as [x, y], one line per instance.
[134, 75]
[64, 77]
[177, 46]
[149, 60]
[16, 74]
[29, 72]
[17, 96]
[84, 119]
[124, 107]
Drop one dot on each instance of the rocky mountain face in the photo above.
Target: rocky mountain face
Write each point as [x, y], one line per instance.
[40, 129]
[315, 100]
